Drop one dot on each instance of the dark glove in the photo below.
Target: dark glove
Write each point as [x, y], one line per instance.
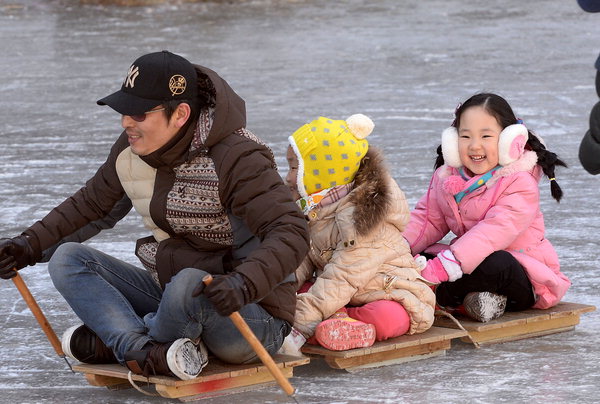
[228, 293]
[15, 253]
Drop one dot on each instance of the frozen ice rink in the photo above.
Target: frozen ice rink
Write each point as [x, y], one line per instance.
[406, 64]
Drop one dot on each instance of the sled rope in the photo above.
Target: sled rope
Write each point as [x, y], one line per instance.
[455, 321]
[138, 388]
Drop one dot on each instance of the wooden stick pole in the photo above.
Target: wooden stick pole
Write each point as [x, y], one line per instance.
[260, 350]
[39, 316]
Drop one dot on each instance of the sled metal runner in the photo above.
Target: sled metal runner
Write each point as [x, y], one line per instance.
[406, 348]
[512, 326]
[216, 379]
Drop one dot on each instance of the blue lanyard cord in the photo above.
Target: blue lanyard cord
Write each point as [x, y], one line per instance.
[482, 180]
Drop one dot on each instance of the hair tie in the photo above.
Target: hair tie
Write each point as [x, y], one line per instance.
[552, 179]
[520, 121]
[454, 123]
[457, 108]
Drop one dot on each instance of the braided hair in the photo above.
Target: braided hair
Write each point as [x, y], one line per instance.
[499, 108]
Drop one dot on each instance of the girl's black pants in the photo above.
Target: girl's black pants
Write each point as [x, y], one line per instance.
[499, 273]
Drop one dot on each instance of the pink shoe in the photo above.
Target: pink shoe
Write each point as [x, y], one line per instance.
[340, 334]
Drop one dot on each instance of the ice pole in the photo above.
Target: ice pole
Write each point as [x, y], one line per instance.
[260, 350]
[39, 316]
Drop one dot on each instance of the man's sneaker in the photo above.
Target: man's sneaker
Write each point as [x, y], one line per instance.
[292, 343]
[484, 306]
[340, 334]
[182, 358]
[82, 344]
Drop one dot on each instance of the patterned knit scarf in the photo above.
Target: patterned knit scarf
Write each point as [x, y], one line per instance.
[324, 197]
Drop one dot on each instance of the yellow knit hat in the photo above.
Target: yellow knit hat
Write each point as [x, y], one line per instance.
[330, 151]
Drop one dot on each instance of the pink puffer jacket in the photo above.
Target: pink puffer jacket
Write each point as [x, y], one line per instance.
[504, 214]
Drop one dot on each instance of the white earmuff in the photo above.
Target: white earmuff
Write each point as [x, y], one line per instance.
[450, 147]
[511, 143]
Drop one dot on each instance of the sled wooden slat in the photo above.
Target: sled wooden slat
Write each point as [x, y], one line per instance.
[216, 379]
[433, 342]
[512, 326]
[106, 381]
[195, 391]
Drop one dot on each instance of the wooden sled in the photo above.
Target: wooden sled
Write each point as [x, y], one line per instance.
[433, 342]
[216, 379]
[512, 326]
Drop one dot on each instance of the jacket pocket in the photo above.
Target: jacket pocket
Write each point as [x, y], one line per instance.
[174, 254]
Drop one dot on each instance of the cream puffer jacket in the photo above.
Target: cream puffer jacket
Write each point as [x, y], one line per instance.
[358, 254]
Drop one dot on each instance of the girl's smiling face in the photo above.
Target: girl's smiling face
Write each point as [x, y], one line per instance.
[478, 135]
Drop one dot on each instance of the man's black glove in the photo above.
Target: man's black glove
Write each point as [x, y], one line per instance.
[228, 293]
[15, 253]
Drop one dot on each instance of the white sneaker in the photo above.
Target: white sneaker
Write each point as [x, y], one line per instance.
[292, 344]
[79, 342]
[484, 306]
[187, 358]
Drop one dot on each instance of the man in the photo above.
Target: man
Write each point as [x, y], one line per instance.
[209, 192]
[589, 149]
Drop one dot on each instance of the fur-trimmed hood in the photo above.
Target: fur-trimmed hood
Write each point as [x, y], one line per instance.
[371, 194]
[527, 162]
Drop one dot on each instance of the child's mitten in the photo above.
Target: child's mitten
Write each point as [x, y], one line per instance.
[443, 268]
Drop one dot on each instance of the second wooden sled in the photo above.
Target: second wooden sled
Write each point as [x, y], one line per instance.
[433, 342]
[216, 379]
[512, 326]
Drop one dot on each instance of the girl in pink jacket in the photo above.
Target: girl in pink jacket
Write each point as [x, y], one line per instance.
[485, 191]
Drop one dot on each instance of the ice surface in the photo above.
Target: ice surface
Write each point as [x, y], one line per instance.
[406, 64]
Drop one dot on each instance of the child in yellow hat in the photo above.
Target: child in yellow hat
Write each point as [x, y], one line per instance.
[359, 283]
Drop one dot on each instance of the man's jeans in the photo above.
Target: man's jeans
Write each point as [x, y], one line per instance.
[126, 308]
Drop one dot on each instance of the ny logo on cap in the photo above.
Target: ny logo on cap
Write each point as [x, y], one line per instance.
[177, 84]
[132, 74]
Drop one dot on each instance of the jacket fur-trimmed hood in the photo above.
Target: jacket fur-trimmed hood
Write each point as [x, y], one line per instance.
[371, 194]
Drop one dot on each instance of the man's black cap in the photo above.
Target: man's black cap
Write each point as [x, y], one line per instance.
[151, 80]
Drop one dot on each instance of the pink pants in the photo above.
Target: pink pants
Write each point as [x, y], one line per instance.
[389, 317]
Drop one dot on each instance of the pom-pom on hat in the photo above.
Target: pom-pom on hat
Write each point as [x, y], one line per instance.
[330, 151]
